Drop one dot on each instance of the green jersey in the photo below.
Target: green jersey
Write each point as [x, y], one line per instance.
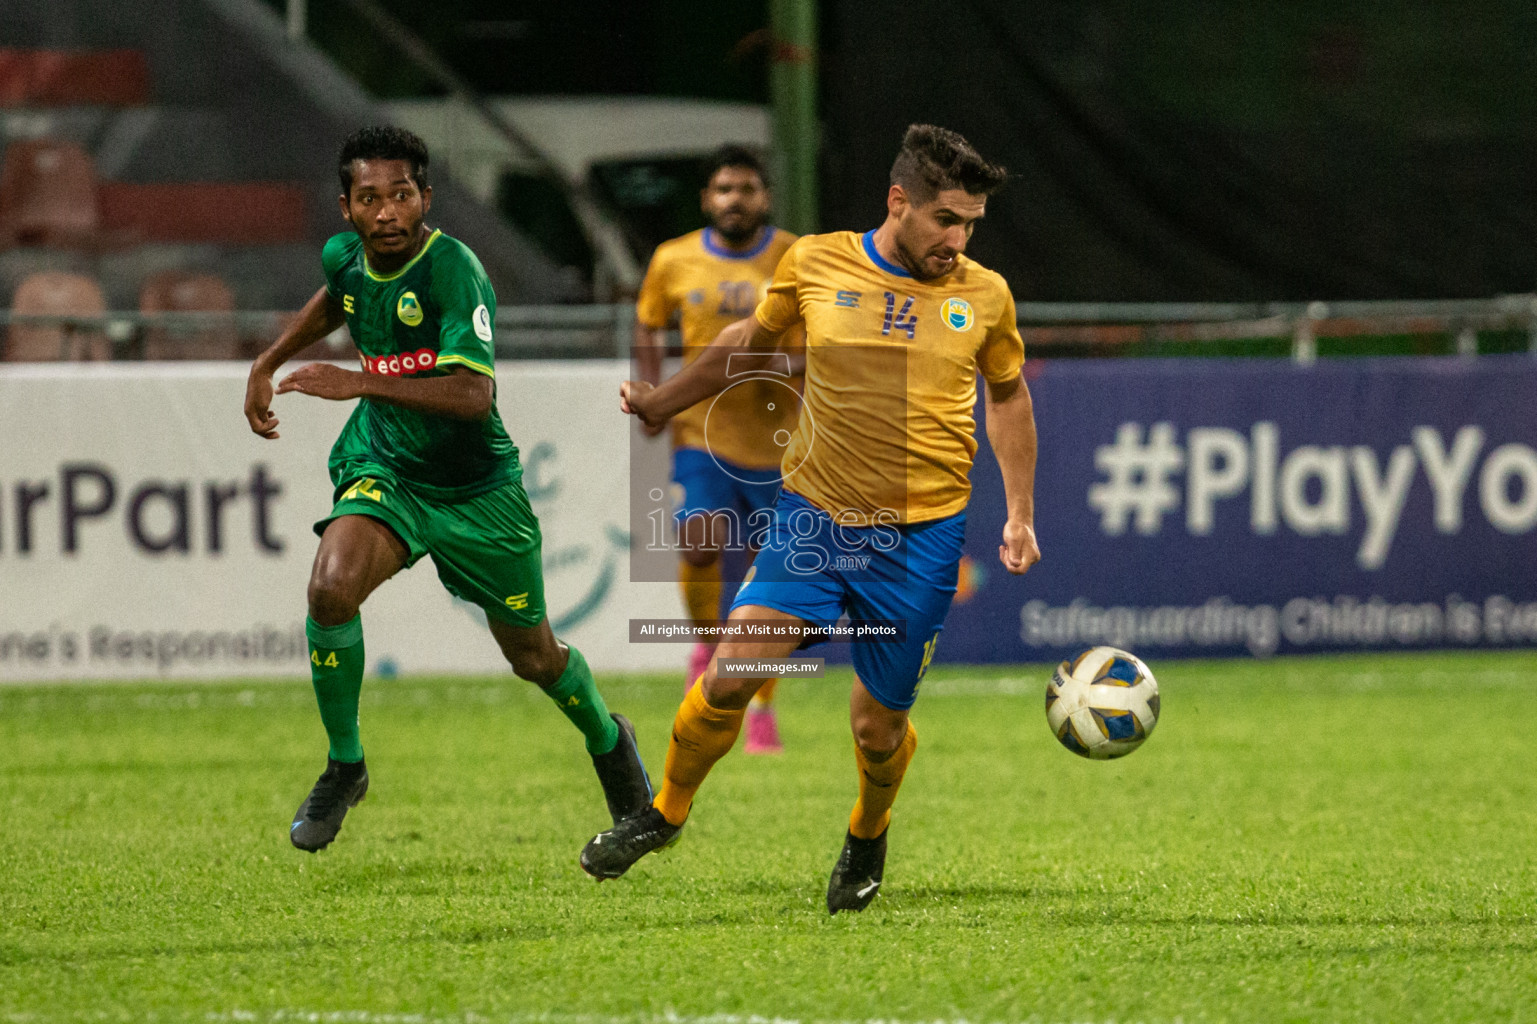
[429, 316]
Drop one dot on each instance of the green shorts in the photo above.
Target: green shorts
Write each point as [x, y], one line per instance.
[486, 548]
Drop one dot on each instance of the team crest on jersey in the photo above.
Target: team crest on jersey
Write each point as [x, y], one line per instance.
[409, 310]
[957, 314]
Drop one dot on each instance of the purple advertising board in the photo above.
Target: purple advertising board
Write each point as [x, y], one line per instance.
[1191, 508]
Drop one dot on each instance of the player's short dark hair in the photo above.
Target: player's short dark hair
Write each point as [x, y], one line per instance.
[933, 159]
[733, 155]
[383, 142]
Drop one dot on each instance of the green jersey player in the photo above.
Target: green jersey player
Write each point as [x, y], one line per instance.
[424, 466]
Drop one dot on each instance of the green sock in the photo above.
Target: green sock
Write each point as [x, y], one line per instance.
[579, 700]
[336, 668]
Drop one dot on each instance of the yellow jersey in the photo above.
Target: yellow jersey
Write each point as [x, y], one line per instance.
[709, 287]
[886, 431]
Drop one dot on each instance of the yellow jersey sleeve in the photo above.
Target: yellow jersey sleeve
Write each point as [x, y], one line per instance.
[653, 306]
[1003, 352]
[780, 309]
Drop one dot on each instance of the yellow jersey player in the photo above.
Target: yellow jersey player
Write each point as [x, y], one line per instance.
[725, 461]
[871, 517]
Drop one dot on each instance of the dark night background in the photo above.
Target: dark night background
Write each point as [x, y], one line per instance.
[1188, 150]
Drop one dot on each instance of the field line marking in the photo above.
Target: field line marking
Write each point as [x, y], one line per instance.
[371, 1017]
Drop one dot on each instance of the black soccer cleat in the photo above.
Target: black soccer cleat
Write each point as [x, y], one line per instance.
[340, 787]
[857, 875]
[611, 853]
[626, 786]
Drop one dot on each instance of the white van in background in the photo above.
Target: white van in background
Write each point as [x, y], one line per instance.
[641, 159]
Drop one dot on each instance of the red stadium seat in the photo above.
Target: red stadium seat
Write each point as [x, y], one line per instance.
[231, 213]
[183, 291]
[61, 78]
[57, 293]
[47, 194]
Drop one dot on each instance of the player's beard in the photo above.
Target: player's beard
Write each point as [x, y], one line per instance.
[916, 264]
[743, 232]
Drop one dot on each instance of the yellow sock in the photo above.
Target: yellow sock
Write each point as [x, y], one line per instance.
[765, 695]
[878, 785]
[701, 591]
[701, 735]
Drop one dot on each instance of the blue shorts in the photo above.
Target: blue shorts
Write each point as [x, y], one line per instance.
[812, 568]
[711, 486]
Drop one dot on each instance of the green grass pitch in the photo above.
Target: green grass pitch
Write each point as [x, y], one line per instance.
[1316, 839]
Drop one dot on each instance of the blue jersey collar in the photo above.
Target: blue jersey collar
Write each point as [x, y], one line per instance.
[713, 246]
[868, 241]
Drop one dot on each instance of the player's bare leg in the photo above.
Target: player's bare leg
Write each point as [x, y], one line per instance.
[562, 673]
[356, 554]
[704, 729]
[884, 741]
[532, 651]
[762, 725]
[699, 570]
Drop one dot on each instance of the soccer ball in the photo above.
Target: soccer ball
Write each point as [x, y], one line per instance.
[1102, 703]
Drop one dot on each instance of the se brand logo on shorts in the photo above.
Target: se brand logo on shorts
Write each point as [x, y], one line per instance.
[957, 314]
[409, 310]
[518, 602]
[482, 320]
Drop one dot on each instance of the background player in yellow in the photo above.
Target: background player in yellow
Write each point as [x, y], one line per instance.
[725, 461]
[871, 518]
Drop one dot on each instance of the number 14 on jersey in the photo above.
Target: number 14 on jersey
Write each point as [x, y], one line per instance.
[904, 319]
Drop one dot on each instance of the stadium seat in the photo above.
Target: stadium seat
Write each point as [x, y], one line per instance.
[229, 213]
[60, 78]
[175, 291]
[53, 292]
[47, 194]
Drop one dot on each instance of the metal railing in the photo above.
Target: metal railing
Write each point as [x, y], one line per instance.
[1110, 328]
[522, 332]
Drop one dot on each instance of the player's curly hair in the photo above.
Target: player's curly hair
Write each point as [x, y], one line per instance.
[933, 159]
[734, 155]
[382, 142]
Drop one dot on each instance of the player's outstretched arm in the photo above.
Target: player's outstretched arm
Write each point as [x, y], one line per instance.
[650, 347]
[1011, 432]
[321, 315]
[697, 381]
[463, 394]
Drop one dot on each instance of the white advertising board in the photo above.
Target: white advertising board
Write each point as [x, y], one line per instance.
[145, 531]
